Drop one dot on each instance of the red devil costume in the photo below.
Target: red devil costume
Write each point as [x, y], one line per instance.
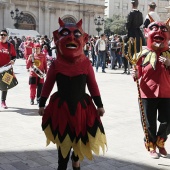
[37, 62]
[28, 45]
[153, 70]
[71, 120]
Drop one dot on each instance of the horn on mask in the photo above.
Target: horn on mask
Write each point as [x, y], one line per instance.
[79, 24]
[60, 21]
[151, 19]
[167, 22]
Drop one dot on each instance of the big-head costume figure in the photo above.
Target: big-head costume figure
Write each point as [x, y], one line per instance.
[71, 120]
[153, 71]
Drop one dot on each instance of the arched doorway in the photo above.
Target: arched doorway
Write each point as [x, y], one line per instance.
[27, 22]
[69, 20]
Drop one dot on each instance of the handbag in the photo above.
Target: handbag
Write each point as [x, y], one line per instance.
[7, 78]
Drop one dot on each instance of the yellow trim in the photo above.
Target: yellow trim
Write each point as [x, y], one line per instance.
[92, 146]
[151, 57]
[152, 146]
[160, 142]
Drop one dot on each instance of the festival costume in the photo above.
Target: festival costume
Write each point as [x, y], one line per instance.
[156, 88]
[5, 58]
[35, 81]
[28, 49]
[4, 53]
[155, 85]
[134, 21]
[71, 119]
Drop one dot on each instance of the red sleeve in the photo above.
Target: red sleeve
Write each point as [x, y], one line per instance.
[49, 82]
[91, 83]
[139, 67]
[28, 63]
[45, 64]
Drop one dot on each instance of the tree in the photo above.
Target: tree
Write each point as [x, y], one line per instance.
[115, 25]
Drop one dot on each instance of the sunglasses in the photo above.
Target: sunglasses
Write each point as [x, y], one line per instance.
[3, 35]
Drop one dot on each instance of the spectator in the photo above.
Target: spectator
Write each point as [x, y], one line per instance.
[100, 52]
[86, 49]
[113, 48]
[133, 24]
[152, 15]
[11, 40]
[119, 51]
[92, 42]
[44, 42]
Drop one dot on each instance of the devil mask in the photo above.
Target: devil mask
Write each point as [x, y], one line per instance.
[70, 40]
[158, 36]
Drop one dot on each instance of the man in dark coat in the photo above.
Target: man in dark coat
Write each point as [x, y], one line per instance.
[134, 21]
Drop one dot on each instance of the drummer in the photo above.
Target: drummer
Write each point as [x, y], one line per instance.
[36, 80]
[7, 56]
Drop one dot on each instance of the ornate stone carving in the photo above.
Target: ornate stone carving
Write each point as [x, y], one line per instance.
[2, 5]
[52, 10]
[43, 8]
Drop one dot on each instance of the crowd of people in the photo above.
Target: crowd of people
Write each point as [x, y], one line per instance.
[24, 45]
[38, 54]
[106, 52]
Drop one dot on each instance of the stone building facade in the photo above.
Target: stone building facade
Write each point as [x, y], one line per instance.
[42, 15]
[123, 7]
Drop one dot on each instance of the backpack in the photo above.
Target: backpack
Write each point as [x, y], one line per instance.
[114, 45]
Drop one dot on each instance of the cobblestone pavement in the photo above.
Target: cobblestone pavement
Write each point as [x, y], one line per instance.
[22, 142]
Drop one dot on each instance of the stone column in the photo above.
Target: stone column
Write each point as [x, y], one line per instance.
[53, 21]
[168, 10]
[2, 18]
[42, 20]
[47, 21]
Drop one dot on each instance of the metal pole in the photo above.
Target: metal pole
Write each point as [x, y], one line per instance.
[98, 30]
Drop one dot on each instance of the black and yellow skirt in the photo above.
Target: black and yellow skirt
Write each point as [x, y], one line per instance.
[82, 131]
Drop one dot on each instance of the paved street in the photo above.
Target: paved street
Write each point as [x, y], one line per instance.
[23, 144]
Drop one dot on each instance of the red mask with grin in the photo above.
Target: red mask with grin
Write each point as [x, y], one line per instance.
[157, 35]
[70, 40]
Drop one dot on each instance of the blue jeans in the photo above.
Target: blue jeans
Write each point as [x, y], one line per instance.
[112, 58]
[101, 60]
[119, 59]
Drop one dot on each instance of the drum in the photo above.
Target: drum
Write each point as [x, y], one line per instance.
[7, 78]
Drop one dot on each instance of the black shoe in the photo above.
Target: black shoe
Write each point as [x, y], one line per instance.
[75, 159]
[128, 73]
[32, 102]
[103, 71]
[124, 72]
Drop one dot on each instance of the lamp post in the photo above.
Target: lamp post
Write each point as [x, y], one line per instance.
[18, 16]
[98, 21]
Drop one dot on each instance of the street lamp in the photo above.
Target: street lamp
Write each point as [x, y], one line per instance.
[18, 16]
[98, 21]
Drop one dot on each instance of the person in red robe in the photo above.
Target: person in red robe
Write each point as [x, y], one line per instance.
[28, 46]
[71, 120]
[36, 79]
[7, 57]
[153, 72]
